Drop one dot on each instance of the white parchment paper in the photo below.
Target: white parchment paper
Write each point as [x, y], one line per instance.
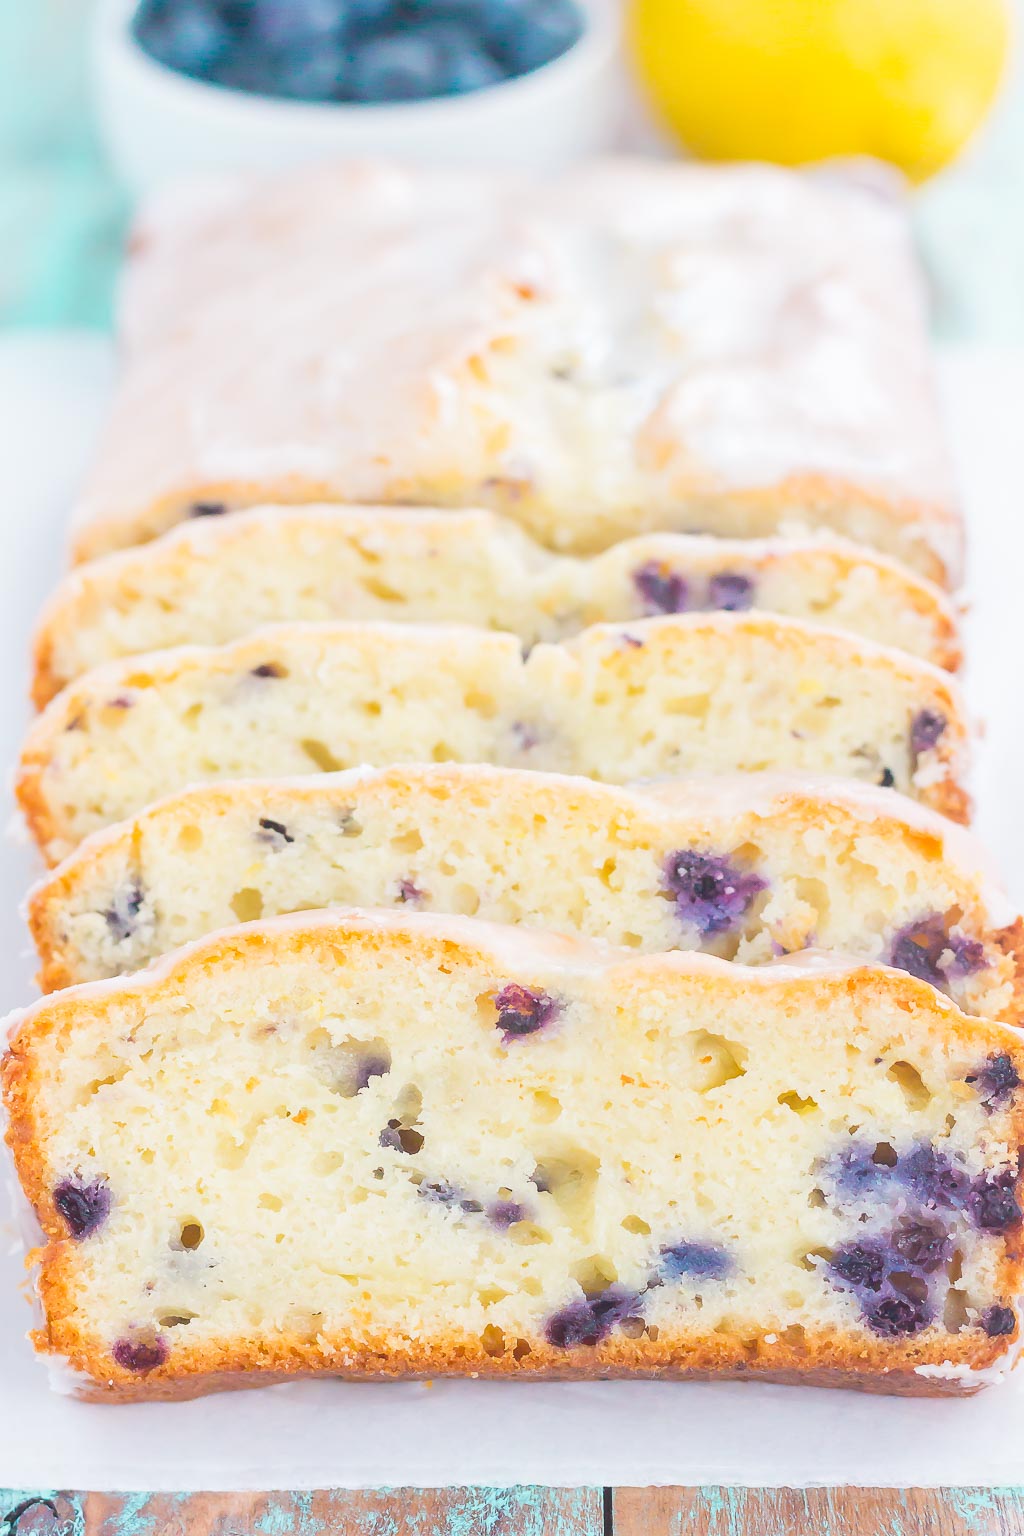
[349, 1435]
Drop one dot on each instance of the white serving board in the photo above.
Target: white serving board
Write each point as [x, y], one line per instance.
[636, 1433]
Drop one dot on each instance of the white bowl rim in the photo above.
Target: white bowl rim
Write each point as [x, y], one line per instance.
[592, 49]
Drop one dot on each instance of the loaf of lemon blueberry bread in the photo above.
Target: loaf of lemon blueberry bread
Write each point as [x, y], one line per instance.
[622, 347]
[381, 1145]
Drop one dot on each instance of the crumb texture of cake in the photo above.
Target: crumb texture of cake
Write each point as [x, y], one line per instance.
[212, 579]
[623, 347]
[678, 695]
[380, 1145]
[749, 869]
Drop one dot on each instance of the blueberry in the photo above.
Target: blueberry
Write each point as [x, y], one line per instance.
[887, 779]
[446, 1194]
[405, 66]
[522, 1012]
[926, 949]
[140, 1355]
[925, 730]
[999, 1321]
[929, 1178]
[469, 68]
[993, 1201]
[731, 591]
[709, 892]
[369, 1067]
[694, 1261]
[84, 1207]
[364, 14]
[310, 72]
[860, 1265]
[274, 832]
[433, 58]
[269, 669]
[400, 1138]
[525, 34]
[410, 894]
[662, 590]
[920, 948]
[592, 1318]
[188, 36]
[932, 1179]
[124, 909]
[505, 1213]
[438, 1190]
[996, 1082]
[252, 72]
[896, 1315]
[469, 11]
[526, 736]
[207, 509]
[857, 1171]
[283, 24]
[968, 956]
[920, 1245]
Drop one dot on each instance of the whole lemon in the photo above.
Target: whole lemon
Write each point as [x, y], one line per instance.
[799, 80]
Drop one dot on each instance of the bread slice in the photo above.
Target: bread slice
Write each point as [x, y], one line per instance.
[682, 694]
[372, 1145]
[623, 347]
[747, 869]
[212, 580]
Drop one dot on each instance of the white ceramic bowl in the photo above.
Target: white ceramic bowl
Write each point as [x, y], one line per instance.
[159, 125]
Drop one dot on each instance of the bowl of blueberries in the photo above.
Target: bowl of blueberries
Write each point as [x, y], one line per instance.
[187, 87]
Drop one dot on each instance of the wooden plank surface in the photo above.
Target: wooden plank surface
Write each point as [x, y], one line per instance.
[524, 1512]
[381, 1512]
[818, 1512]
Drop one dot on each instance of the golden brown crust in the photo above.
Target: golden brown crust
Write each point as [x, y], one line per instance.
[104, 535]
[952, 800]
[45, 682]
[1011, 941]
[822, 1359]
[38, 814]
[54, 972]
[854, 1359]
[45, 685]
[817, 500]
[949, 653]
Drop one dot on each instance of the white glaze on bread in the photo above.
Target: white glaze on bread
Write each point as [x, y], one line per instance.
[628, 347]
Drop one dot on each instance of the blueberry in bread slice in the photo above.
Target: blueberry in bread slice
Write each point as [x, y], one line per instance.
[373, 1144]
[212, 579]
[747, 868]
[678, 695]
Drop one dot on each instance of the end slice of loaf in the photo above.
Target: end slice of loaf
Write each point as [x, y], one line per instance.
[214, 578]
[677, 695]
[623, 347]
[371, 1145]
[747, 868]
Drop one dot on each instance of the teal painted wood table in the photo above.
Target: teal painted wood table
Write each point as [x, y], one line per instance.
[523, 1512]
